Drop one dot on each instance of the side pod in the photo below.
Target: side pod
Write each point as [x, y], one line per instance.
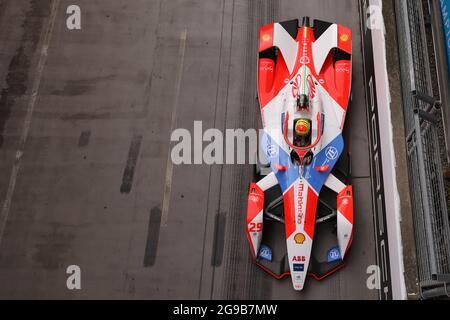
[345, 219]
[255, 215]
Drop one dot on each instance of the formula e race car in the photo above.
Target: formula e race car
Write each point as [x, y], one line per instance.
[302, 188]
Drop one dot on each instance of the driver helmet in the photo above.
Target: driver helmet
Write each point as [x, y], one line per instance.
[302, 127]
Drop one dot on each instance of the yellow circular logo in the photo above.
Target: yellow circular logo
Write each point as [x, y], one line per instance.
[299, 238]
[266, 37]
[345, 37]
[302, 127]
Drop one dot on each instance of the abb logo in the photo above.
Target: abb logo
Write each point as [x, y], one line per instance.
[298, 259]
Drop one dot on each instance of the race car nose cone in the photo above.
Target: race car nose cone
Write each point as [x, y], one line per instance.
[305, 22]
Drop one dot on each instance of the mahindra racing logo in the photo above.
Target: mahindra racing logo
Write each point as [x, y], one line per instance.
[301, 188]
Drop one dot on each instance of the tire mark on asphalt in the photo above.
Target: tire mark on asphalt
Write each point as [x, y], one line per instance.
[18, 74]
[208, 204]
[234, 282]
[128, 173]
[261, 286]
[151, 248]
[242, 279]
[46, 37]
[218, 241]
[85, 136]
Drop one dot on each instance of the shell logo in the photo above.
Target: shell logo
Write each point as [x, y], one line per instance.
[299, 238]
[345, 37]
[266, 37]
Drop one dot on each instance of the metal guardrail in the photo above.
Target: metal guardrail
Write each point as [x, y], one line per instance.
[431, 224]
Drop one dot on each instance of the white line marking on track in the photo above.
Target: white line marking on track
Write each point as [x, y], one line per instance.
[169, 166]
[46, 37]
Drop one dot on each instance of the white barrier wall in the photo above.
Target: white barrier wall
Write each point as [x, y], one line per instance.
[392, 202]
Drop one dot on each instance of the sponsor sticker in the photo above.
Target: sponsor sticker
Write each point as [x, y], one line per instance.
[265, 253]
[299, 238]
[253, 198]
[299, 259]
[305, 60]
[272, 151]
[332, 153]
[345, 37]
[333, 255]
[298, 277]
[267, 68]
[299, 267]
[301, 189]
[266, 37]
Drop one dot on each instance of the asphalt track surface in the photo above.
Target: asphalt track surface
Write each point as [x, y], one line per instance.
[85, 128]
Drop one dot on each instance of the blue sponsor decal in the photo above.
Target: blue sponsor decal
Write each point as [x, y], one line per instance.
[281, 157]
[329, 155]
[299, 267]
[333, 255]
[332, 153]
[445, 9]
[265, 253]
